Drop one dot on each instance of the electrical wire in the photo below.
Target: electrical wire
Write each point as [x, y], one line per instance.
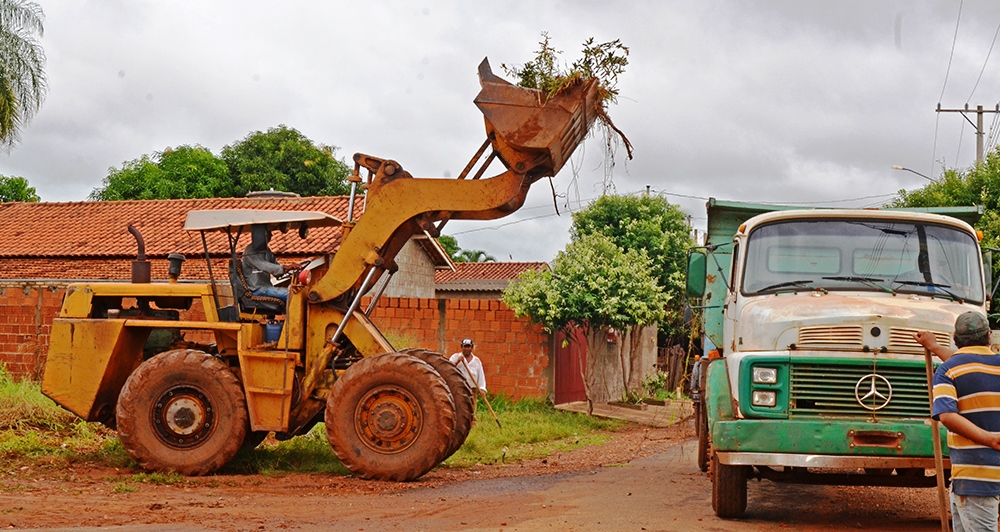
[944, 85]
[974, 87]
[952, 54]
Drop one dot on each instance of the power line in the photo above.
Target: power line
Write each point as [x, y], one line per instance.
[952, 54]
[974, 87]
[944, 85]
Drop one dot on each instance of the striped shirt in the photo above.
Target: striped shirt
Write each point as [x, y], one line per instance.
[968, 383]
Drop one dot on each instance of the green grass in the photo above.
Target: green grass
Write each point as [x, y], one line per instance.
[35, 431]
[531, 429]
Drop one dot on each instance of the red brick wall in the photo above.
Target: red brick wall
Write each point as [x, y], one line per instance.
[516, 355]
[26, 313]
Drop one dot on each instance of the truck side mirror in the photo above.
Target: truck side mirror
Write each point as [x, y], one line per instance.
[696, 274]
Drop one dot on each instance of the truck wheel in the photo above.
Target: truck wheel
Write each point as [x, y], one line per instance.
[729, 489]
[182, 411]
[390, 417]
[460, 393]
[701, 426]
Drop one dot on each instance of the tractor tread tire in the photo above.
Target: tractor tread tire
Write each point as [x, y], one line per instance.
[157, 376]
[407, 375]
[729, 489]
[704, 442]
[465, 403]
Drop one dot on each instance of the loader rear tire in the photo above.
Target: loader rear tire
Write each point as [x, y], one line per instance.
[390, 417]
[461, 393]
[182, 411]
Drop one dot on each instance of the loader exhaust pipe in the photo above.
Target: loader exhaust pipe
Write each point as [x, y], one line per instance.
[140, 266]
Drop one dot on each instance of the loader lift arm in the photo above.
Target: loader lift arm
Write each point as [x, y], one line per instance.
[531, 133]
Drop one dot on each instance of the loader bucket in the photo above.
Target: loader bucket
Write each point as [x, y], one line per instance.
[530, 131]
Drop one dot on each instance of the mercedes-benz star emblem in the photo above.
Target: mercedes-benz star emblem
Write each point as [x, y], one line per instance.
[872, 398]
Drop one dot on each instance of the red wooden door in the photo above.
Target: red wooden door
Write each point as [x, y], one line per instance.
[570, 357]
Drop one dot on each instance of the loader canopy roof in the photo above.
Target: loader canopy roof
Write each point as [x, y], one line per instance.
[242, 219]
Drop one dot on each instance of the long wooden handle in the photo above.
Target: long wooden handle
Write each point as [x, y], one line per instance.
[480, 393]
[936, 438]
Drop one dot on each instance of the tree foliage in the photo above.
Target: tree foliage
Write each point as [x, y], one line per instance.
[22, 67]
[284, 159]
[652, 225]
[457, 254]
[976, 185]
[182, 172]
[14, 188]
[593, 283]
[279, 159]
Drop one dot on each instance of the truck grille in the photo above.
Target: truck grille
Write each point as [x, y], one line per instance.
[901, 340]
[845, 336]
[827, 390]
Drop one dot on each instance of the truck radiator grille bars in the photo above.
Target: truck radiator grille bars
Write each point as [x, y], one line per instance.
[847, 336]
[834, 390]
[901, 340]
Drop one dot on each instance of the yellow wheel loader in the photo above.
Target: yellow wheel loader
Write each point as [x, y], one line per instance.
[389, 414]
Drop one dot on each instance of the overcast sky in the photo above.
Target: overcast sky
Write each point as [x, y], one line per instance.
[777, 101]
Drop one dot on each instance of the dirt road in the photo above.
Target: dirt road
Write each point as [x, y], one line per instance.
[643, 480]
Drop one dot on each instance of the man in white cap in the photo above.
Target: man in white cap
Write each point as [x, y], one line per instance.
[468, 362]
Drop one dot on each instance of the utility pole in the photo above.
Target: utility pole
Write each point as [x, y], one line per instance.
[978, 125]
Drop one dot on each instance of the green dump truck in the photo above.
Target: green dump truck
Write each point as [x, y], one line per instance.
[811, 373]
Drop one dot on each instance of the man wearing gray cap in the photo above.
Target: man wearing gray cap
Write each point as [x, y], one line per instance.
[470, 366]
[967, 402]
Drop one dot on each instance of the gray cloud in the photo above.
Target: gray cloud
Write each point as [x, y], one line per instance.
[758, 101]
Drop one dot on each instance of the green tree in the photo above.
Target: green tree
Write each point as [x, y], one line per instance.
[653, 225]
[595, 285]
[22, 64]
[457, 254]
[14, 188]
[182, 172]
[284, 159]
[976, 185]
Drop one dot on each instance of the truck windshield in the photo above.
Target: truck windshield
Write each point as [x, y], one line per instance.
[870, 255]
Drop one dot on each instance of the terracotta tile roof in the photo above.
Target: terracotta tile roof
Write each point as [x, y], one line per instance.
[483, 275]
[100, 228]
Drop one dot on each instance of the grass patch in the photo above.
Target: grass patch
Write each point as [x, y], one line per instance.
[23, 407]
[122, 487]
[309, 453]
[35, 431]
[532, 428]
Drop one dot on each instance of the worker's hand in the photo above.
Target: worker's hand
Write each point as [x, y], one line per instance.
[994, 441]
[926, 339]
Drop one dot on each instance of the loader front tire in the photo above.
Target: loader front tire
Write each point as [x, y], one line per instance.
[390, 417]
[182, 411]
[461, 393]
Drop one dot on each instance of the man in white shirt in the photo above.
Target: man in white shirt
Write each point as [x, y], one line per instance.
[466, 362]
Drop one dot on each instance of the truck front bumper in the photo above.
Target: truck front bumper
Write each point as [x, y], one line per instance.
[824, 442]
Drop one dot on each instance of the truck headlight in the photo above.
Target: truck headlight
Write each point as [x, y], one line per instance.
[764, 398]
[765, 375]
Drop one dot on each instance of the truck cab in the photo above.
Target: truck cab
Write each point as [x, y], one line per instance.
[814, 375]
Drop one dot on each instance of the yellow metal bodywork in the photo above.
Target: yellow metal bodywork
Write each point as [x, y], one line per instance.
[88, 363]
[286, 383]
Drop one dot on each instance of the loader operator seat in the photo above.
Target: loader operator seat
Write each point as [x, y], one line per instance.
[247, 301]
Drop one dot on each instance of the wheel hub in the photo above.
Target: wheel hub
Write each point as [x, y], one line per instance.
[183, 417]
[388, 419]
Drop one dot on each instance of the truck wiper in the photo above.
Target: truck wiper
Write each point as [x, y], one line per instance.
[942, 287]
[870, 281]
[800, 282]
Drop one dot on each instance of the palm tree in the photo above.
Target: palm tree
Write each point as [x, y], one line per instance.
[22, 63]
[475, 255]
